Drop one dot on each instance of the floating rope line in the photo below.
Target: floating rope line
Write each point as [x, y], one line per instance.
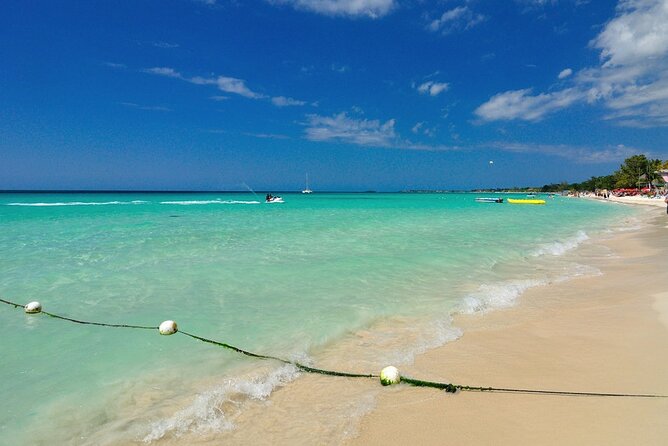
[300, 366]
[389, 375]
[101, 324]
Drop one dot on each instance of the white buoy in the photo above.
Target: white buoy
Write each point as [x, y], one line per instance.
[389, 375]
[33, 307]
[168, 328]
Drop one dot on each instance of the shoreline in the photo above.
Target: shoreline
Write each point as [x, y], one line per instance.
[606, 333]
[633, 200]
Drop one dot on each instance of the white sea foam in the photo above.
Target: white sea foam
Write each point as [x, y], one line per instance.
[505, 294]
[215, 409]
[396, 340]
[195, 202]
[442, 332]
[78, 203]
[578, 270]
[421, 338]
[558, 248]
[497, 295]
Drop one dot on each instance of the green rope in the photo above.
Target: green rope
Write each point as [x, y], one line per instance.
[453, 388]
[101, 324]
[450, 388]
[300, 366]
[447, 387]
[11, 303]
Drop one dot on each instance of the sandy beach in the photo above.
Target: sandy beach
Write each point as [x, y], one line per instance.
[607, 333]
[638, 200]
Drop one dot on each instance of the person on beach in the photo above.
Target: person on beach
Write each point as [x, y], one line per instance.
[666, 201]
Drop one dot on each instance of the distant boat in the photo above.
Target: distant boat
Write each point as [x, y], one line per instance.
[307, 190]
[522, 201]
[489, 200]
[273, 199]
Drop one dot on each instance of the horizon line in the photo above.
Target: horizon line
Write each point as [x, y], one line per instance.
[177, 191]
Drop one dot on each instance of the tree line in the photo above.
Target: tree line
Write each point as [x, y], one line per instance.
[636, 171]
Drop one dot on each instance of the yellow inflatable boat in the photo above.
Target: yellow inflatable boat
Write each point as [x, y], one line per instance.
[525, 201]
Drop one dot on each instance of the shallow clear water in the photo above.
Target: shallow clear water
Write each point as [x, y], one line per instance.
[287, 279]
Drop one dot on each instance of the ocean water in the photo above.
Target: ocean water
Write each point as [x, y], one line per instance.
[297, 280]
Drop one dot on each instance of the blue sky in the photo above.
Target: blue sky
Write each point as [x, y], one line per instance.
[360, 94]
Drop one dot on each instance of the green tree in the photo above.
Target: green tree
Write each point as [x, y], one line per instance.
[652, 171]
[606, 182]
[633, 168]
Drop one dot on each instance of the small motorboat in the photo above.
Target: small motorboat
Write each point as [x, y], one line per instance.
[273, 199]
[489, 200]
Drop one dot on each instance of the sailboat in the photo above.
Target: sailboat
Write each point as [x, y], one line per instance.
[307, 190]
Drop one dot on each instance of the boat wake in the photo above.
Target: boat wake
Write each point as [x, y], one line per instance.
[202, 202]
[79, 203]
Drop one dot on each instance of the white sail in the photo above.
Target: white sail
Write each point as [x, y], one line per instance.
[307, 190]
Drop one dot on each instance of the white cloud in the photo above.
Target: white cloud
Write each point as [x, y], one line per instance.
[219, 98]
[579, 154]
[199, 80]
[565, 73]
[456, 19]
[115, 65]
[165, 45]
[421, 129]
[224, 83]
[340, 68]
[530, 5]
[267, 135]
[432, 88]
[365, 132]
[164, 71]
[631, 80]
[342, 128]
[639, 33]
[282, 101]
[350, 8]
[159, 108]
[521, 104]
[538, 2]
[236, 86]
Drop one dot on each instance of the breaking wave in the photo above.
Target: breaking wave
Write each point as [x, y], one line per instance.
[215, 409]
[559, 248]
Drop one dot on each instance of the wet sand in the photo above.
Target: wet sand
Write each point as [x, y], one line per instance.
[607, 333]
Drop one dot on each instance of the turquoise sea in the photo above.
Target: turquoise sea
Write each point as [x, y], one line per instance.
[288, 279]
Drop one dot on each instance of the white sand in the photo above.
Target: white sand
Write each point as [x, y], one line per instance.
[603, 334]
